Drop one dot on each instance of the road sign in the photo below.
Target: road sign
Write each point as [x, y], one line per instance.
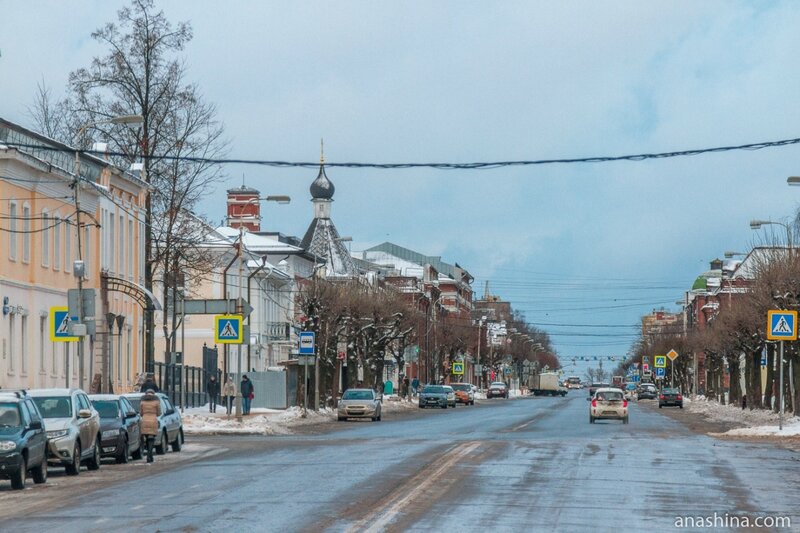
[645, 368]
[59, 325]
[661, 372]
[646, 359]
[306, 360]
[661, 361]
[781, 325]
[635, 378]
[672, 354]
[306, 343]
[458, 368]
[228, 329]
[214, 307]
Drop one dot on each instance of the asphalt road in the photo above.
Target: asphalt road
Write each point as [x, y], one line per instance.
[504, 465]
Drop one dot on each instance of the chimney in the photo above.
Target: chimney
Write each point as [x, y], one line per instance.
[716, 264]
[244, 208]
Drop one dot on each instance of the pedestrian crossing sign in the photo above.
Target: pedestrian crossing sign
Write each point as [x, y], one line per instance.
[458, 368]
[228, 329]
[781, 325]
[660, 361]
[59, 325]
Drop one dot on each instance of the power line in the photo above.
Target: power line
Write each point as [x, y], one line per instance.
[439, 166]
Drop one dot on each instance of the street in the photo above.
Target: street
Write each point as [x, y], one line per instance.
[503, 465]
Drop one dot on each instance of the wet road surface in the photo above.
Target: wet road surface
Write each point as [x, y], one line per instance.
[504, 465]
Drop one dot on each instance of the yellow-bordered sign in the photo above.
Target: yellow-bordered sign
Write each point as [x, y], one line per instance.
[458, 368]
[228, 329]
[59, 325]
[781, 325]
[660, 361]
[672, 354]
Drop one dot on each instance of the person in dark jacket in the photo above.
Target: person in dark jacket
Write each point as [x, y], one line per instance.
[246, 388]
[212, 389]
[149, 384]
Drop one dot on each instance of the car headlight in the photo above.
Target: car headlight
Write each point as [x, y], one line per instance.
[57, 434]
[7, 445]
[110, 433]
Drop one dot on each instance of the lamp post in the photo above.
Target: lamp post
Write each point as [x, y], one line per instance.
[480, 338]
[281, 200]
[79, 268]
[428, 326]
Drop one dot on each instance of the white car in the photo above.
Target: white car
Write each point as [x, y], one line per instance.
[608, 403]
[73, 428]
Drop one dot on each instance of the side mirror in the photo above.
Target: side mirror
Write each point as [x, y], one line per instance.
[84, 413]
[169, 411]
[36, 424]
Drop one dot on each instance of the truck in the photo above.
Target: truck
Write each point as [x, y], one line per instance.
[546, 384]
[616, 382]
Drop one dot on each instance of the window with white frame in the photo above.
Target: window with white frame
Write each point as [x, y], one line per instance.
[130, 249]
[12, 348]
[26, 233]
[12, 230]
[45, 238]
[23, 344]
[122, 265]
[56, 242]
[128, 361]
[42, 332]
[68, 248]
[110, 240]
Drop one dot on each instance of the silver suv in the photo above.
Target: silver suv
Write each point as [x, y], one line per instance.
[73, 428]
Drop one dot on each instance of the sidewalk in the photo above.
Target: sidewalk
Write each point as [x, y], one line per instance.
[198, 421]
[752, 423]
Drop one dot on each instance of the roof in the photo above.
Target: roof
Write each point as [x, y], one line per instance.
[322, 240]
[415, 257]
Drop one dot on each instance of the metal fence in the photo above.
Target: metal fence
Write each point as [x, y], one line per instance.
[269, 387]
[168, 378]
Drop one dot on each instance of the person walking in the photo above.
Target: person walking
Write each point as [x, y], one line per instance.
[246, 388]
[404, 388]
[212, 389]
[414, 386]
[149, 384]
[229, 392]
[150, 410]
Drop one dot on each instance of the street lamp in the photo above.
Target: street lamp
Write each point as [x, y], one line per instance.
[79, 268]
[756, 225]
[729, 254]
[793, 180]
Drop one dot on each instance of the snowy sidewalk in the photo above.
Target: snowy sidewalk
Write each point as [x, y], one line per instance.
[755, 423]
[198, 421]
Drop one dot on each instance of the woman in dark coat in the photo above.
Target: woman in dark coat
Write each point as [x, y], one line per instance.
[150, 410]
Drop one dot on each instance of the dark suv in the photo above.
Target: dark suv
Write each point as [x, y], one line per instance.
[23, 441]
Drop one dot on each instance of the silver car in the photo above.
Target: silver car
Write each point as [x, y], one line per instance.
[73, 428]
[451, 395]
[170, 423]
[359, 403]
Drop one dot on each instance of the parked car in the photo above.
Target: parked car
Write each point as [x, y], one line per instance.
[670, 397]
[73, 428]
[647, 391]
[433, 396]
[23, 440]
[608, 402]
[451, 396]
[170, 424]
[120, 427]
[359, 403]
[465, 393]
[498, 388]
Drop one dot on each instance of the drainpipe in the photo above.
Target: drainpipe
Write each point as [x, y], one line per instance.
[225, 296]
[256, 271]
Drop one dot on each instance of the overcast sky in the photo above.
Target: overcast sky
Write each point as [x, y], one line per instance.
[476, 81]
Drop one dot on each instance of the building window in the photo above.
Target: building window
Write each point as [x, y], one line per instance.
[26, 234]
[12, 348]
[121, 247]
[23, 344]
[142, 255]
[110, 241]
[130, 250]
[45, 239]
[56, 242]
[42, 332]
[87, 255]
[68, 248]
[12, 231]
[128, 362]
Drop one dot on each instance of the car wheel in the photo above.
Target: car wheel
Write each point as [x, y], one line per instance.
[161, 447]
[660, 406]
[74, 468]
[40, 472]
[18, 479]
[421, 406]
[444, 406]
[591, 419]
[176, 445]
[138, 453]
[625, 420]
[681, 406]
[122, 458]
[94, 461]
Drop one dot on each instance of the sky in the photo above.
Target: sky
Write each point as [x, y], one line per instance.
[582, 249]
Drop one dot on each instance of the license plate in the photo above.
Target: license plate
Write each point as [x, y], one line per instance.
[108, 449]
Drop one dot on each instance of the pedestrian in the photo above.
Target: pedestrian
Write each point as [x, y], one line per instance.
[404, 388]
[149, 383]
[246, 388]
[150, 410]
[229, 392]
[414, 386]
[212, 389]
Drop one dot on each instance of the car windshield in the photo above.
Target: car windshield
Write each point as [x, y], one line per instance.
[106, 408]
[357, 395]
[461, 386]
[434, 389]
[54, 406]
[498, 384]
[9, 415]
[609, 396]
[671, 391]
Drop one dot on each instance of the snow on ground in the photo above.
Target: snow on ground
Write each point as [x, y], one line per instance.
[198, 421]
[756, 422]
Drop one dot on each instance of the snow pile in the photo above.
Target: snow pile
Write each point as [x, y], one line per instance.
[480, 395]
[756, 422]
[259, 422]
[515, 393]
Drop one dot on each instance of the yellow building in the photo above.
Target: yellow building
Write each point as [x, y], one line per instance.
[38, 247]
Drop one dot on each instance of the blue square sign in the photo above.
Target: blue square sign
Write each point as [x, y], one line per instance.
[307, 340]
[661, 372]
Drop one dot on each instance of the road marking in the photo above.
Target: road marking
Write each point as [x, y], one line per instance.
[401, 500]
